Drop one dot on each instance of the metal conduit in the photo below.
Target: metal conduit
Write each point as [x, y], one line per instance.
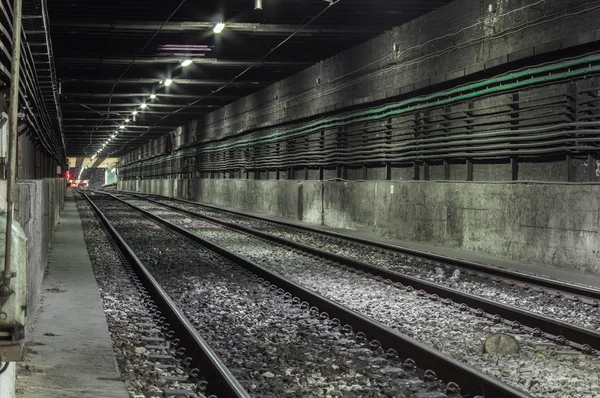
[375, 150]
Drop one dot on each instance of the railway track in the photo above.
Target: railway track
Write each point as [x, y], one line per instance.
[148, 354]
[164, 331]
[380, 338]
[564, 332]
[579, 309]
[513, 279]
[299, 277]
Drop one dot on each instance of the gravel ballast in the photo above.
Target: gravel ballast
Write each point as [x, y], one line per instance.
[125, 307]
[274, 348]
[567, 310]
[541, 369]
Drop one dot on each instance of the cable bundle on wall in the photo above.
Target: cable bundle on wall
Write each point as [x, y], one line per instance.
[537, 112]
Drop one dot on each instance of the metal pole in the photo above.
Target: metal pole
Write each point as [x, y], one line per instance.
[5, 288]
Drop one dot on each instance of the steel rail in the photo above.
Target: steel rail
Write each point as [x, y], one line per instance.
[507, 275]
[554, 329]
[203, 357]
[472, 382]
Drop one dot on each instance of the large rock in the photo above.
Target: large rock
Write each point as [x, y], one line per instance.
[501, 344]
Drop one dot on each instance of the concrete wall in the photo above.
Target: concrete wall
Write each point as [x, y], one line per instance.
[37, 209]
[179, 188]
[554, 225]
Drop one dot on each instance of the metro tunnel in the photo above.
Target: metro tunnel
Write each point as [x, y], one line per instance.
[300, 198]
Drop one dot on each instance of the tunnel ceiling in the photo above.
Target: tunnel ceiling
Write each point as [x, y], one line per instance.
[126, 48]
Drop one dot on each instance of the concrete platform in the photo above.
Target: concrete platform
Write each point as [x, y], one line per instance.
[70, 351]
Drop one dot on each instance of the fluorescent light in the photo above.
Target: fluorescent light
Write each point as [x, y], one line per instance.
[143, 106]
[168, 82]
[121, 127]
[152, 96]
[186, 62]
[219, 27]
[134, 113]
[126, 120]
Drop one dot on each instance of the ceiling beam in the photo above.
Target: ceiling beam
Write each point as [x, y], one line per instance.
[96, 143]
[207, 62]
[92, 119]
[98, 162]
[258, 28]
[98, 138]
[67, 93]
[201, 82]
[118, 120]
[128, 113]
[113, 128]
[136, 105]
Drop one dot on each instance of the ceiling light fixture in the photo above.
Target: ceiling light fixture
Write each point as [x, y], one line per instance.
[168, 82]
[152, 96]
[134, 113]
[143, 106]
[121, 127]
[219, 27]
[186, 62]
[258, 4]
[127, 120]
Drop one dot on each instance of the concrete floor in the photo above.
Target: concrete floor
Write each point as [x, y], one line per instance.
[70, 352]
